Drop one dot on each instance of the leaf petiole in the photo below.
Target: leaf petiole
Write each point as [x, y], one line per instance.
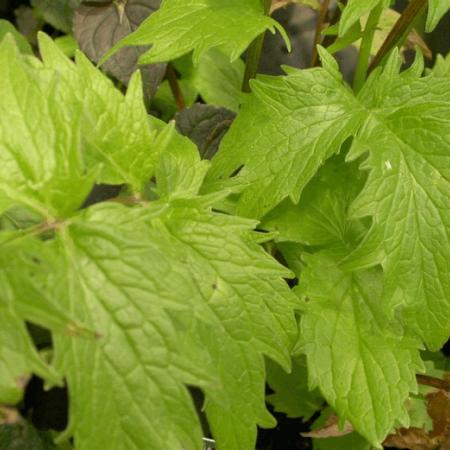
[254, 53]
[366, 47]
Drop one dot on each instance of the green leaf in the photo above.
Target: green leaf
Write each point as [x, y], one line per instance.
[178, 295]
[359, 359]
[407, 194]
[354, 10]
[180, 26]
[218, 81]
[357, 8]
[436, 10]
[321, 218]
[290, 125]
[27, 267]
[41, 162]
[18, 357]
[21, 42]
[284, 132]
[180, 171]
[291, 392]
[442, 66]
[115, 128]
[24, 265]
[67, 44]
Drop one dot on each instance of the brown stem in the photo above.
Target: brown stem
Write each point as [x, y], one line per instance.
[319, 28]
[175, 87]
[433, 382]
[402, 25]
[128, 200]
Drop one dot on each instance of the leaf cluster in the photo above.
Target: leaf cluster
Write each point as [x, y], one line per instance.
[295, 237]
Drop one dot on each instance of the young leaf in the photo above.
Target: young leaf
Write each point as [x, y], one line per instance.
[178, 295]
[180, 26]
[322, 216]
[292, 395]
[357, 8]
[180, 172]
[362, 364]
[442, 66]
[41, 162]
[354, 10]
[436, 10]
[218, 81]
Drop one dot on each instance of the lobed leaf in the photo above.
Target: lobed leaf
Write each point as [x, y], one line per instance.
[171, 307]
[284, 132]
[307, 115]
[363, 365]
[41, 164]
[24, 296]
[407, 194]
[292, 395]
[115, 128]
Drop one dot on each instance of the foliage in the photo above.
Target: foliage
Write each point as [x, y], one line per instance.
[297, 235]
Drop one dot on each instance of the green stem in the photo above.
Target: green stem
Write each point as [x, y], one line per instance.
[366, 47]
[330, 39]
[400, 30]
[254, 53]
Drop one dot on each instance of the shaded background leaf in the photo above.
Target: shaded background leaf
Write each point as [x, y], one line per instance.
[98, 27]
[58, 13]
[205, 125]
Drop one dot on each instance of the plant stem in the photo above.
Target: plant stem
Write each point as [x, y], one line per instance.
[175, 87]
[319, 28]
[254, 53]
[433, 382]
[403, 24]
[366, 47]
